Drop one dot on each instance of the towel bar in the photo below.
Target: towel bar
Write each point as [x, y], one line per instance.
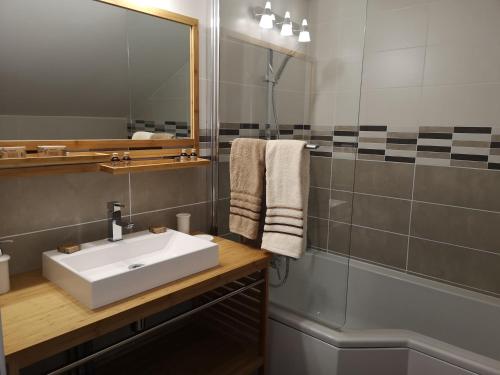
[308, 146]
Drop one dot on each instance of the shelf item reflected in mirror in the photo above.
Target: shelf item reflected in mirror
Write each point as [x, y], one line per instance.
[13, 152]
[51, 150]
[144, 136]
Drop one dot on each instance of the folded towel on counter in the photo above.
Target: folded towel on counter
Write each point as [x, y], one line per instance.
[287, 194]
[246, 167]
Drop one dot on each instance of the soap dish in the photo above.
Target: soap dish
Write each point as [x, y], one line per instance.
[68, 248]
[157, 229]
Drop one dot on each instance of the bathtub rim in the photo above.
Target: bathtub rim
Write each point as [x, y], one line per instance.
[387, 338]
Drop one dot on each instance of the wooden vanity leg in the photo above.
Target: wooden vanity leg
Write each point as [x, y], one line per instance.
[263, 320]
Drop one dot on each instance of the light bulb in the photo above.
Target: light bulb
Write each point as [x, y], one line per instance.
[304, 36]
[266, 20]
[286, 28]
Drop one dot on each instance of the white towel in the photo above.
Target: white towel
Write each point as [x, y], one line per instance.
[287, 194]
[142, 136]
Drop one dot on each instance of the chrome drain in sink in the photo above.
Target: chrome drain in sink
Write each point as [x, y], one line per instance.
[134, 266]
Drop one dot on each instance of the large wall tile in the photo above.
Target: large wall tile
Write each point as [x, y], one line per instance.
[324, 75]
[223, 216]
[389, 179]
[224, 182]
[381, 213]
[199, 218]
[294, 75]
[347, 107]
[472, 268]
[341, 206]
[37, 203]
[242, 104]
[458, 226]
[241, 62]
[157, 190]
[391, 106]
[398, 68]
[397, 28]
[463, 187]
[343, 174]
[322, 110]
[289, 106]
[321, 171]
[339, 237]
[319, 203]
[379, 5]
[26, 251]
[348, 73]
[350, 36]
[456, 63]
[463, 20]
[377, 246]
[460, 105]
[317, 233]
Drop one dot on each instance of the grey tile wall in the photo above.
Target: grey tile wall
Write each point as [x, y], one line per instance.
[40, 213]
[380, 210]
[436, 221]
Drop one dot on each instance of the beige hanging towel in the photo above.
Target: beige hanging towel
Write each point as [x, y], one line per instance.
[246, 167]
[287, 193]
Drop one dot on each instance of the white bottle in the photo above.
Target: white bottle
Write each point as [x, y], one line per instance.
[4, 270]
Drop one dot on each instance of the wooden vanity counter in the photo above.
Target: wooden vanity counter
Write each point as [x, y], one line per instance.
[39, 319]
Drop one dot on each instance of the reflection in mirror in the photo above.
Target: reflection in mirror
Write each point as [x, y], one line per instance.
[159, 77]
[107, 74]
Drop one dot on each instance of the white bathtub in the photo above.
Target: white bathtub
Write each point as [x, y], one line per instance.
[394, 323]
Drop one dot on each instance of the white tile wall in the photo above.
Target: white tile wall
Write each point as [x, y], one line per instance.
[391, 106]
[322, 110]
[466, 21]
[337, 49]
[396, 68]
[443, 58]
[458, 63]
[397, 28]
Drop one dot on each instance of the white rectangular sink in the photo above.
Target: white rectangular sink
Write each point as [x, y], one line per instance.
[104, 272]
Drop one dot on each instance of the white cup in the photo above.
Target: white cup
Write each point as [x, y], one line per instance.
[4, 274]
[183, 221]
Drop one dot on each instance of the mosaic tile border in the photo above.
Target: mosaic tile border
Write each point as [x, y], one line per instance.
[459, 146]
[179, 128]
[230, 131]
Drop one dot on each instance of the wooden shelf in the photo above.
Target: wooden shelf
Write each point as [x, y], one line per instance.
[151, 165]
[192, 350]
[35, 160]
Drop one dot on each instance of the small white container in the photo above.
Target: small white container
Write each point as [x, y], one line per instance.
[183, 222]
[4, 273]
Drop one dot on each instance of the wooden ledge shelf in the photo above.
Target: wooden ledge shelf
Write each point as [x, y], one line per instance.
[151, 165]
[35, 160]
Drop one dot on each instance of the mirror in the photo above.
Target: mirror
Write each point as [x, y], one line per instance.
[112, 73]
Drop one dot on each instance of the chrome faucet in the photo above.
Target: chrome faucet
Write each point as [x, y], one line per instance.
[115, 223]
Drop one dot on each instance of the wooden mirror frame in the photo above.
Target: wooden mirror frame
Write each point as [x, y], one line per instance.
[112, 144]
